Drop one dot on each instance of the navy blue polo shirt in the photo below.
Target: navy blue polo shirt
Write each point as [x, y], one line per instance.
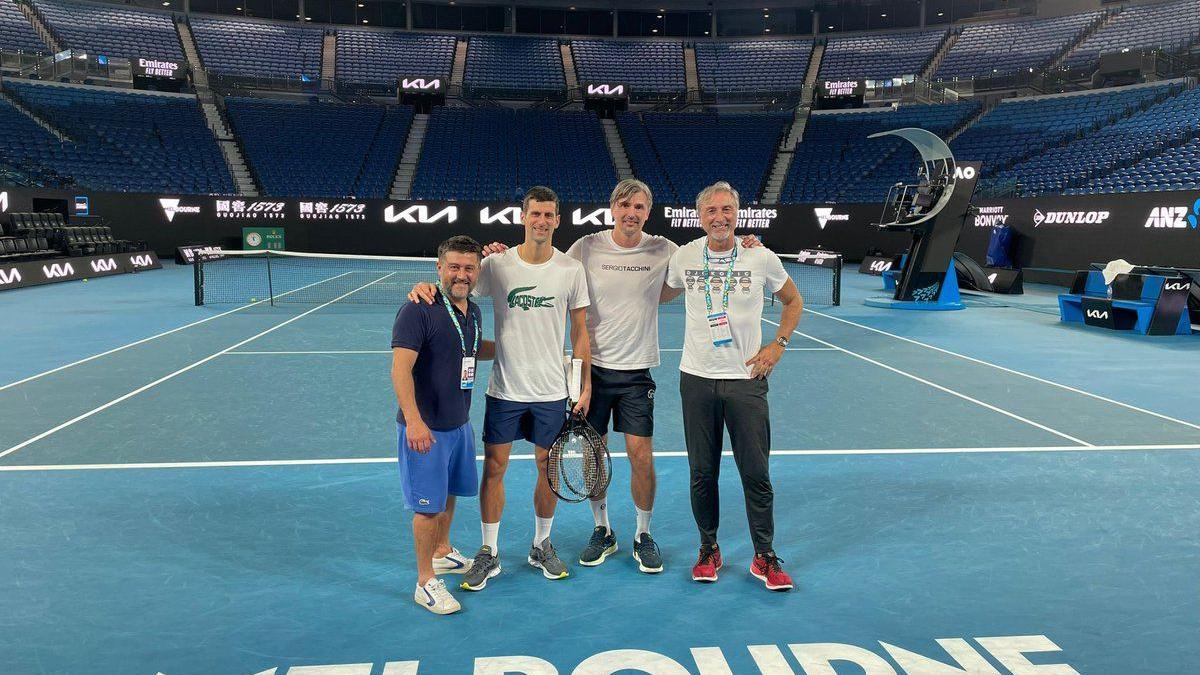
[427, 330]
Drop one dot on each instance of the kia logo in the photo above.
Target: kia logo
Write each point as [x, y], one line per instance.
[881, 265]
[506, 216]
[606, 90]
[421, 83]
[1097, 314]
[597, 218]
[104, 265]
[419, 214]
[1177, 285]
[3, 202]
[11, 275]
[141, 261]
[58, 271]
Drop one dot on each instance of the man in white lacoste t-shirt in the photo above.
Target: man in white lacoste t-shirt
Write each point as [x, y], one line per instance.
[724, 369]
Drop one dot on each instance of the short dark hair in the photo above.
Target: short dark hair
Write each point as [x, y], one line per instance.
[539, 193]
[460, 244]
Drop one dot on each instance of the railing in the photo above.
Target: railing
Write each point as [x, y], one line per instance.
[228, 82]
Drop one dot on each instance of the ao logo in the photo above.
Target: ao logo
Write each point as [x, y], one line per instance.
[57, 271]
[964, 172]
[507, 216]
[597, 218]
[1097, 314]
[419, 213]
[104, 265]
[141, 261]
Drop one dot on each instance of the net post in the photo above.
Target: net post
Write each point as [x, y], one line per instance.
[837, 282]
[198, 278]
[270, 284]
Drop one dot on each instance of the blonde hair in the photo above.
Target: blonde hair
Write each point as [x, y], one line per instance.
[719, 186]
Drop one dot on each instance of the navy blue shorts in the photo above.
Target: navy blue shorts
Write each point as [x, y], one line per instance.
[626, 397]
[508, 421]
[447, 469]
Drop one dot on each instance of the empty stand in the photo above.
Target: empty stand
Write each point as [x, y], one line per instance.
[1172, 26]
[380, 58]
[254, 48]
[752, 68]
[514, 67]
[651, 68]
[126, 142]
[16, 33]
[879, 55]
[1005, 48]
[320, 149]
[498, 153]
[113, 31]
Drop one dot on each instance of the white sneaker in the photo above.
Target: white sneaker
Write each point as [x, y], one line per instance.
[452, 563]
[434, 597]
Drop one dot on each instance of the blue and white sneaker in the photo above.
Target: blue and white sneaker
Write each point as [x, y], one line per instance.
[453, 562]
[434, 597]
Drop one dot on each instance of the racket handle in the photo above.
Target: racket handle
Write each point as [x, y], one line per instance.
[575, 383]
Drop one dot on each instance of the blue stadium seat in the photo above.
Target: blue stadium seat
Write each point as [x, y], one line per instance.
[879, 55]
[752, 67]
[1171, 26]
[499, 153]
[379, 59]
[651, 68]
[300, 149]
[16, 33]
[119, 141]
[1012, 46]
[231, 47]
[514, 67]
[112, 31]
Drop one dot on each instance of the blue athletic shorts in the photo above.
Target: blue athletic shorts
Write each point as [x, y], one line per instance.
[447, 469]
[508, 421]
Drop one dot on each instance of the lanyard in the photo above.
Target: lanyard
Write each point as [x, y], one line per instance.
[728, 281]
[462, 340]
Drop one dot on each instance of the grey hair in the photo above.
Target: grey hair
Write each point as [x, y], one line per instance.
[628, 188]
[719, 186]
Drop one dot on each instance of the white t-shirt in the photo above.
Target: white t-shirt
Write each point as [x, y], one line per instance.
[530, 304]
[624, 284]
[754, 270]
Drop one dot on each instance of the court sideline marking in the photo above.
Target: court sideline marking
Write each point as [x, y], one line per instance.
[388, 351]
[939, 387]
[202, 361]
[250, 463]
[152, 337]
[1010, 370]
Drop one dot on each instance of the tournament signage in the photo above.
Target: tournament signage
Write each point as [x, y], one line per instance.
[262, 238]
[422, 85]
[162, 68]
[37, 272]
[749, 218]
[186, 255]
[841, 88]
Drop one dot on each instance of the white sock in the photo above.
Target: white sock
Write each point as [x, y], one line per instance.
[491, 533]
[643, 522]
[541, 530]
[600, 512]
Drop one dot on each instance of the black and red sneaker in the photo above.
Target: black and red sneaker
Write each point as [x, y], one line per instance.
[766, 568]
[708, 564]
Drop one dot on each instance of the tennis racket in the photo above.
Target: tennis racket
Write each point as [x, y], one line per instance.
[579, 465]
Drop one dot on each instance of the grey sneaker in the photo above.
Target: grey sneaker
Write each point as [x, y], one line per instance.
[645, 552]
[544, 557]
[484, 567]
[602, 544]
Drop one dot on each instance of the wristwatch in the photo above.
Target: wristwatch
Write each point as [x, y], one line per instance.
[782, 342]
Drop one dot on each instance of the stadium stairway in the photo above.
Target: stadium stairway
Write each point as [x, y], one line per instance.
[231, 150]
[1083, 36]
[810, 78]
[691, 79]
[568, 63]
[940, 54]
[199, 74]
[406, 170]
[987, 107]
[40, 27]
[460, 63]
[785, 154]
[328, 61]
[32, 115]
[620, 159]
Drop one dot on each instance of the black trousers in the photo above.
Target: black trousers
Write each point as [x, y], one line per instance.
[709, 406]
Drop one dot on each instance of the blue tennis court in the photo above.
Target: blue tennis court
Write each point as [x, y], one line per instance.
[196, 490]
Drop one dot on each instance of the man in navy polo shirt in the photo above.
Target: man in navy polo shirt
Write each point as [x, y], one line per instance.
[434, 352]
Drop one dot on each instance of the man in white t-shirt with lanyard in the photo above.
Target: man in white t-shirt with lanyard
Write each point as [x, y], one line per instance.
[724, 367]
[534, 288]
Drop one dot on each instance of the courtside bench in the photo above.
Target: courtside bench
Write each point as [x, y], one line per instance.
[1149, 304]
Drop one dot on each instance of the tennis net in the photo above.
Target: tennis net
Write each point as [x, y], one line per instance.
[314, 278]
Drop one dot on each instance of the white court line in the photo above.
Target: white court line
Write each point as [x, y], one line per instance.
[250, 463]
[939, 387]
[152, 337]
[160, 380]
[388, 351]
[1010, 370]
